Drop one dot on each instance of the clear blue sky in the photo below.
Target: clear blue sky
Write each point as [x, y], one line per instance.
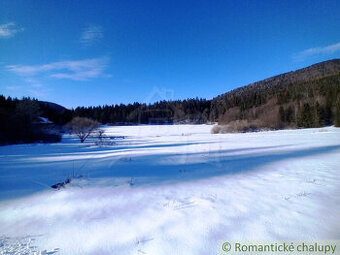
[107, 52]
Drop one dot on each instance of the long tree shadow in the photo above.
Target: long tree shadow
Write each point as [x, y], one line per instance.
[93, 150]
[151, 169]
[217, 163]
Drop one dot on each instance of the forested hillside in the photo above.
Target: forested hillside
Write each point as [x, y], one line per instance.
[309, 97]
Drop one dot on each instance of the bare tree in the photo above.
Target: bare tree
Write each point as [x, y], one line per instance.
[82, 127]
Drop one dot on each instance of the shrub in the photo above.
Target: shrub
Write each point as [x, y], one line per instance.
[82, 127]
[216, 129]
[239, 126]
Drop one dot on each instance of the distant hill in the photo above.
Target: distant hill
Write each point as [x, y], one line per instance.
[28, 120]
[53, 106]
[310, 73]
[56, 113]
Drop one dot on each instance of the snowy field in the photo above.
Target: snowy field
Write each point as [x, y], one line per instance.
[169, 190]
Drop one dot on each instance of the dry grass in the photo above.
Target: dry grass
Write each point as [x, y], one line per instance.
[237, 126]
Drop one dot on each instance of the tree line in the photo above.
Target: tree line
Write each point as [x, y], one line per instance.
[163, 112]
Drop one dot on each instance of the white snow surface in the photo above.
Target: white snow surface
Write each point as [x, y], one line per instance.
[169, 189]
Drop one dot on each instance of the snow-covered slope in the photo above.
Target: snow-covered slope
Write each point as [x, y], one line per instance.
[169, 190]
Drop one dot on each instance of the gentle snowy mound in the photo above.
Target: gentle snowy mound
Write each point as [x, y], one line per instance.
[169, 190]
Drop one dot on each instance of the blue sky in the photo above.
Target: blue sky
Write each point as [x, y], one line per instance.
[109, 52]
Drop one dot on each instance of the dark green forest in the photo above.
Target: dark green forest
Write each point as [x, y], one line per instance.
[164, 112]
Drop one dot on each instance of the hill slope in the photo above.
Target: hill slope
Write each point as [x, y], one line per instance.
[308, 97]
[313, 72]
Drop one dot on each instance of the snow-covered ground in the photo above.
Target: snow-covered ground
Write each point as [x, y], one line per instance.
[169, 190]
